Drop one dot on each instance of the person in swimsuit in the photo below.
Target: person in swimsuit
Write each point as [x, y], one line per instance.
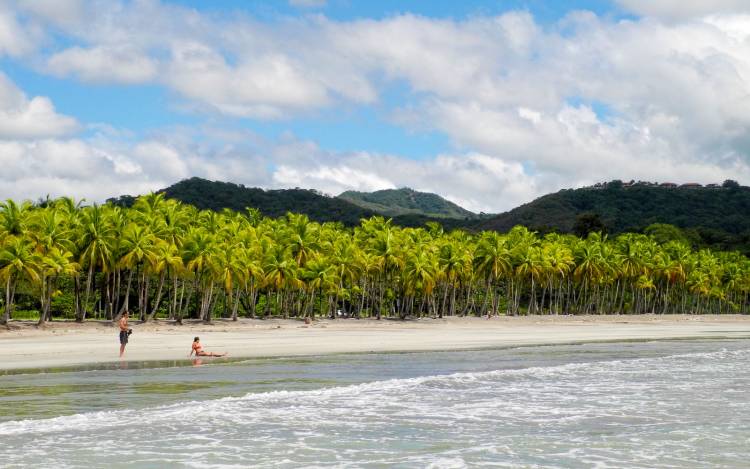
[199, 352]
[124, 332]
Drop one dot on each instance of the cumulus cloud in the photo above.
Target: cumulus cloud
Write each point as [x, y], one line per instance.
[62, 167]
[45, 153]
[473, 180]
[118, 64]
[16, 39]
[528, 108]
[262, 87]
[681, 9]
[67, 13]
[22, 118]
[102, 166]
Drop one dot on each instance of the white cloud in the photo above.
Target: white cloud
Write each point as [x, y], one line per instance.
[681, 9]
[16, 39]
[262, 87]
[119, 64]
[63, 167]
[475, 181]
[67, 13]
[100, 167]
[39, 157]
[21, 117]
[528, 108]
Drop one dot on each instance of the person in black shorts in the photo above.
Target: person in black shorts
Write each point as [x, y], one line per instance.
[125, 331]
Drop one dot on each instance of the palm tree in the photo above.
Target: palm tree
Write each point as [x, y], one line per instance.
[139, 255]
[165, 259]
[454, 262]
[281, 273]
[18, 261]
[13, 217]
[493, 259]
[420, 277]
[96, 238]
[319, 276]
[198, 253]
[382, 245]
[53, 264]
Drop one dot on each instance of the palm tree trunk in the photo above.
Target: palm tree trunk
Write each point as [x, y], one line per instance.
[173, 299]
[42, 301]
[157, 300]
[236, 304]
[80, 313]
[88, 292]
[143, 295]
[8, 301]
[126, 303]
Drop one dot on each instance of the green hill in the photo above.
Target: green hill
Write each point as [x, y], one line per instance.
[216, 195]
[405, 201]
[716, 216]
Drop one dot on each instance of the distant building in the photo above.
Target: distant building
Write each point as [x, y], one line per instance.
[712, 186]
[668, 184]
[691, 185]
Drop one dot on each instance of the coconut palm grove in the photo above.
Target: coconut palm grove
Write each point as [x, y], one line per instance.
[162, 259]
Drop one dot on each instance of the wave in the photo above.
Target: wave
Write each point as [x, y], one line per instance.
[225, 407]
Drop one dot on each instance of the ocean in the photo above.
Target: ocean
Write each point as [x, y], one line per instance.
[656, 404]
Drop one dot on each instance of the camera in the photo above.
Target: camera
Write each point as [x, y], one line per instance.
[130, 331]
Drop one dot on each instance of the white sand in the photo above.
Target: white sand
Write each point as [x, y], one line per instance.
[66, 344]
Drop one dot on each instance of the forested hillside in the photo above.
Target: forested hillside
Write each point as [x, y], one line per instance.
[405, 201]
[216, 195]
[716, 216]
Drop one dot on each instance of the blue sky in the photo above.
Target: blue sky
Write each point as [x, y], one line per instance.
[489, 103]
[345, 10]
[350, 128]
[347, 128]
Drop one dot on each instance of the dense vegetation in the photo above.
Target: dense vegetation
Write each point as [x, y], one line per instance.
[715, 217]
[162, 258]
[706, 217]
[216, 195]
[394, 202]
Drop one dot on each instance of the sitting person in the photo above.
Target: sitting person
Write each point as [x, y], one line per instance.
[198, 349]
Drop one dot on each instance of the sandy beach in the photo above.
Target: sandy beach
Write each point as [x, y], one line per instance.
[59, 344]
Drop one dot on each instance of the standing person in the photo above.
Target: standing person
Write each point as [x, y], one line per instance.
[125, 331]
[198, 349]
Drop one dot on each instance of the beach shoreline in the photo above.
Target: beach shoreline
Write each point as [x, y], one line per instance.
[64, 344]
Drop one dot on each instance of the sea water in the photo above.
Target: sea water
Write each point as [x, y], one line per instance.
[669, 404]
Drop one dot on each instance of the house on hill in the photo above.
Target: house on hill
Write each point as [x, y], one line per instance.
[691, 185]
[668, 184]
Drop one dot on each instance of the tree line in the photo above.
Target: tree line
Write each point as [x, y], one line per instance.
[165, 259]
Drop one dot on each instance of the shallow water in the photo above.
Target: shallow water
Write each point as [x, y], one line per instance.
[639, 404]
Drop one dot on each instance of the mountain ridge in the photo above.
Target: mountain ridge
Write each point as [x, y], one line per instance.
[709, 216]
[407, 201]
[218, 195]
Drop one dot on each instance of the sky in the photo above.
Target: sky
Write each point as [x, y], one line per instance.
[489, 103]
